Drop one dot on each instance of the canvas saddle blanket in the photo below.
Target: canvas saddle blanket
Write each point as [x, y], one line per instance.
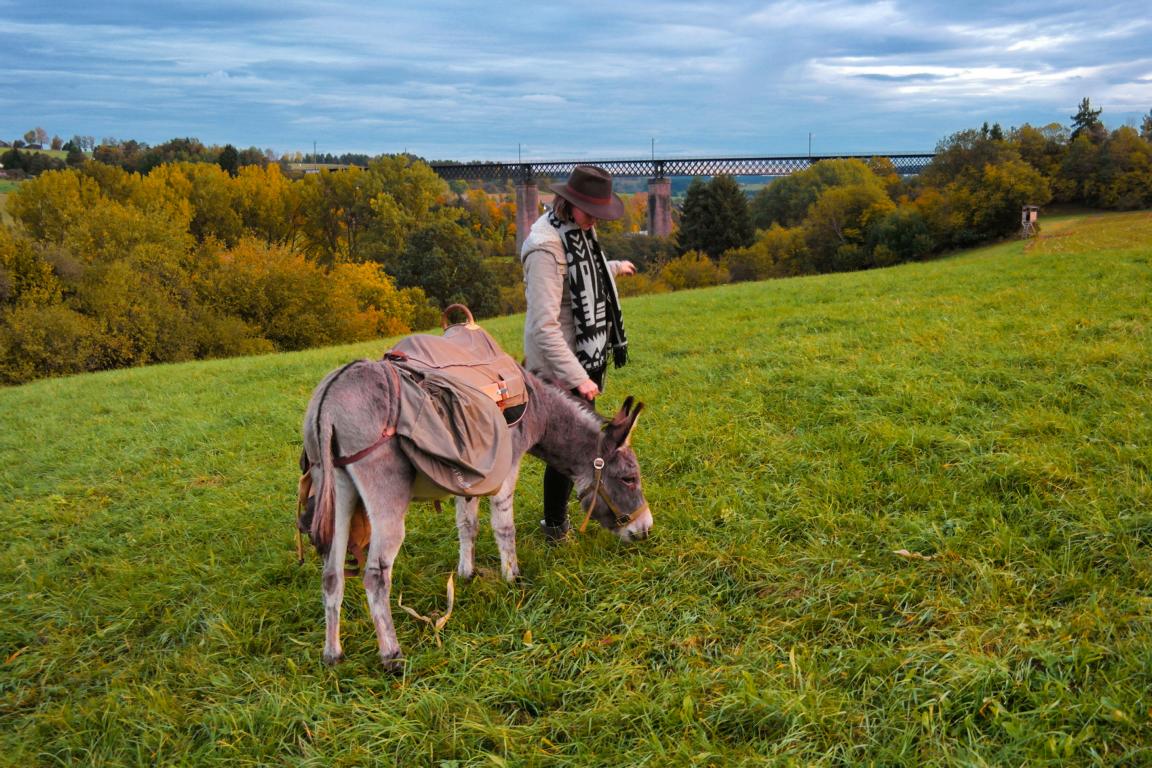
[459, 393]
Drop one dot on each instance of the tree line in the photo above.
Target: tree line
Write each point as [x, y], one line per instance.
[847, 214]
[181, 251]
[105, 268]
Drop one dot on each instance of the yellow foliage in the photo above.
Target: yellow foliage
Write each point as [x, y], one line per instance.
[693, 270]
[25, 278]
[48, 206]
[295, 304]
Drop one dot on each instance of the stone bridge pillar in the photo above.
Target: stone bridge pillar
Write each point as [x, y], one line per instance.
[660, 207]
[527, 209]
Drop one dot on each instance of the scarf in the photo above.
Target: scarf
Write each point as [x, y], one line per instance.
[595, 303]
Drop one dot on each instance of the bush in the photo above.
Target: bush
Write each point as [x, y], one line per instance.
[902, 235]
[777, 252]
[693, 270]
[838, 222]
[295, 304]
[47, 341]
[640, 284]
[648, 253]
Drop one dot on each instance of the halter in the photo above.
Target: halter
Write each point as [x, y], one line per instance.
[621, 519]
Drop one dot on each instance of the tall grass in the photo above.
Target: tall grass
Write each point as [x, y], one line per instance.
[903, 518]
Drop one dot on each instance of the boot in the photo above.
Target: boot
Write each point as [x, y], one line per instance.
[555, 534]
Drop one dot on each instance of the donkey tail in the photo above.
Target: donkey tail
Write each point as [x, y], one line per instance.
[323, 521]
[324, 518]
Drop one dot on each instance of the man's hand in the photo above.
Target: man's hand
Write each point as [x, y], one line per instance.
[625, 268]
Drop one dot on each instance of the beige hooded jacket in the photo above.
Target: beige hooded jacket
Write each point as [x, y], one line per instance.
[549, 329]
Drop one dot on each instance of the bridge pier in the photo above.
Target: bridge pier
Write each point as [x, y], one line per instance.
[660, 207]
[527, 209]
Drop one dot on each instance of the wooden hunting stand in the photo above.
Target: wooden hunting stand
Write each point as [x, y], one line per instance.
[1028, 216]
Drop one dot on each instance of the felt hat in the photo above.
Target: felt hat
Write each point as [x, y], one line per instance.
[589, 188]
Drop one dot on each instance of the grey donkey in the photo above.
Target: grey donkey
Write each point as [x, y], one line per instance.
[351, 412]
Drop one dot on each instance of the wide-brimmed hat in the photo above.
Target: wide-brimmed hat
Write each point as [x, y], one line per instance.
[589, 188]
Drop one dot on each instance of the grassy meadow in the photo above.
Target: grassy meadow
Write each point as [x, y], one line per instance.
[903, 517]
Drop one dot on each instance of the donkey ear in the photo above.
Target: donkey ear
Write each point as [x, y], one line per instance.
[619, 430]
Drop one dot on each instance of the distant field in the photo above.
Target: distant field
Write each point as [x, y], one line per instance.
[903, 518]
[57, 153]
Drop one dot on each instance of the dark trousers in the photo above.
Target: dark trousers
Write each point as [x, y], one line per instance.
[557, 485]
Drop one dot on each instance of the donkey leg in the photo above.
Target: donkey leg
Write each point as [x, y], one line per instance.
[385, 488]
[467, 524]
[504, 525]
[333, 575]
[387, 536]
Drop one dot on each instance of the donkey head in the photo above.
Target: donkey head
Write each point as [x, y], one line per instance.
[616, 500]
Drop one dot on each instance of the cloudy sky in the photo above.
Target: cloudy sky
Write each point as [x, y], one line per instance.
[490, 80]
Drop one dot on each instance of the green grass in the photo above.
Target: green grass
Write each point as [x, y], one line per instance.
[990, 413]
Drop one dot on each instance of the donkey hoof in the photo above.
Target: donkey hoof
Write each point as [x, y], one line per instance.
[332, 659]
[393, 663]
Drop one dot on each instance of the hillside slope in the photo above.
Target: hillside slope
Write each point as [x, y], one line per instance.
[902, 516]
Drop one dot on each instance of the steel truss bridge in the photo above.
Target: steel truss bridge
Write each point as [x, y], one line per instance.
[905, 164]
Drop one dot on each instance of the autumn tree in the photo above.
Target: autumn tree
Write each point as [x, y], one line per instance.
[986, 204]
[1121, 175]
[900, 235]
[777, 252]
[26, 278]
[786, 201]
[48, 206]
[336, 209]
[266, 203]
[965, 152]
[407, 196]
[1042, 148]
[836, 230]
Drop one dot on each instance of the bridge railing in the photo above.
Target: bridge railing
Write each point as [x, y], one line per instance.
[905, 163]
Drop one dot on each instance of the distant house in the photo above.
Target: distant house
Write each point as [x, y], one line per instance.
[34, 146]
[4, 144]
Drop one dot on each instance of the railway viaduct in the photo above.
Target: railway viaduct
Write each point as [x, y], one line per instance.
[659, 174]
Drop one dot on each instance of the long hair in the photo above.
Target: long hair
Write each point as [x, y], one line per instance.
[562, 209]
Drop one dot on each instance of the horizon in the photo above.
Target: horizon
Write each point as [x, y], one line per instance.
[452, 82]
